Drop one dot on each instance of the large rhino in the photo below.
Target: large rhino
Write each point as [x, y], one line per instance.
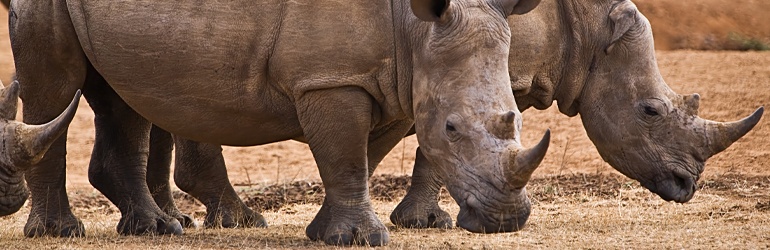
[606, 71]
[349, 78]
[594, 58]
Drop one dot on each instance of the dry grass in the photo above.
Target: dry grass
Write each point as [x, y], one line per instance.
[569, 212]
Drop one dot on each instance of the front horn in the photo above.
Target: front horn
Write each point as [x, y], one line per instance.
[527, 160]
[34, 140]
[721, 135]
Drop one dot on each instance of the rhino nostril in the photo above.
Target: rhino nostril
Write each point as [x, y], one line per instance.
[680, 182]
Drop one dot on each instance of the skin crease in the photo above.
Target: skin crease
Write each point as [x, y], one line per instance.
[224, 92]
[613, 85]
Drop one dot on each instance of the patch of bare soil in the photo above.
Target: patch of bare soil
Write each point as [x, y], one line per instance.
[708, 24]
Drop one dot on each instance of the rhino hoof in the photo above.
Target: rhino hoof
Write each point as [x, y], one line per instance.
[186, 220]
[161, 226]
[69, 228]
[432, 220]
[347, 239]
[230, 219]
[173, 227]
[419, 217]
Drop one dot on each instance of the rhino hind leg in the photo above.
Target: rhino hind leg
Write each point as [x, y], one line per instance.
[158, 175]
[118, 165]
[201, 172]
[338, 134]
[419, 208]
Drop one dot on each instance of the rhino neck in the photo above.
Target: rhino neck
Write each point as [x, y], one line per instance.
[562, 75]
[403, 29]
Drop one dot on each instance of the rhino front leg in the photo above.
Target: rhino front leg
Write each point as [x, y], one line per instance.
[158, 175]
[419, 208]
[49, 72]
[118, 165]
[336, 123]
[200, 171]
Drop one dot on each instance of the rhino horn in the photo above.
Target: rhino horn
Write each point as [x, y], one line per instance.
[505, 126]
[34, 140]
[720, 135]
[8, 101]
[527, 160]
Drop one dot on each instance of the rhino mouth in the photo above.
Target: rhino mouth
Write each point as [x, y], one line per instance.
[13, 192]
[479, 218]
[678, 186]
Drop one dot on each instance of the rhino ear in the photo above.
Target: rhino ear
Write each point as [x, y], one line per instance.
[519, 7]
[9, 97]
[430, 10]
[623, 17]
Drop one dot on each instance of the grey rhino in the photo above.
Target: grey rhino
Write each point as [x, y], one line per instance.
[350, 79]
[594, 58]
[606, 71]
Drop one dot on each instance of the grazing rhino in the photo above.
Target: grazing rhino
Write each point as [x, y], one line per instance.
[249, 73]
[594, 58]
[606, 71]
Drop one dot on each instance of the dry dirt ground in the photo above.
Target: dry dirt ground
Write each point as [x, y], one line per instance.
[579, 201]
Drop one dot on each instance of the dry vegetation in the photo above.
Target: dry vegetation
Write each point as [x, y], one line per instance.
[579, 201]
[574, 211]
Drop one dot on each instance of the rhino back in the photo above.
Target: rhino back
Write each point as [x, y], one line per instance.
[233, 66]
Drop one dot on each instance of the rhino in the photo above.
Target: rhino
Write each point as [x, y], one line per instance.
[594, 58]
[254, 72]
[606, 71]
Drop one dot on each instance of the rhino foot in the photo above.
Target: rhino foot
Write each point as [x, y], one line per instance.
[348, 227]
[233, 217]
[412, 213]
[69, 226]
[136, 223]
[186, 220]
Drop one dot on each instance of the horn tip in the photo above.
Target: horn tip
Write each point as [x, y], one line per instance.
[757, 114]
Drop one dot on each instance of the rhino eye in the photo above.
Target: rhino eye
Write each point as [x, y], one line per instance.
[450, 127]
[650, 111]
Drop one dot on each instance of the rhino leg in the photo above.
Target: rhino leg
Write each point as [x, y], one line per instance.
[200, 171]
[338, 133]
[419, 208]
[382, 142]
[50, 72]
[118, 165]
[158, 174]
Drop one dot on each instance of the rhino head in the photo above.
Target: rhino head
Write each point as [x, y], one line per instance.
[466, 119]
[638, 124]
[23, 146]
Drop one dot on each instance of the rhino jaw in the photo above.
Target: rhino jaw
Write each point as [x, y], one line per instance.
[13, 193]
[678, 186]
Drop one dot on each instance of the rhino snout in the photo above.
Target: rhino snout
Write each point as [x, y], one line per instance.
[478, 218]
[676, 186]
[13, 193]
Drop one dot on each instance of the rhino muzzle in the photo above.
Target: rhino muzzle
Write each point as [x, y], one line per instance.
[510, 211]
[13, 192]
[475, 217]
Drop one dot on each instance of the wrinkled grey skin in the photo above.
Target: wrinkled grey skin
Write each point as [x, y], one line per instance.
[446, 74]
[606, 71]
[551, 60]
